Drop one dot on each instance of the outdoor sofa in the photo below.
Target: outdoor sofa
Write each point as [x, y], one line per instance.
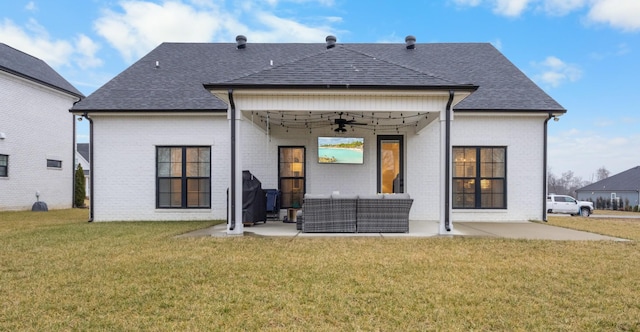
[381, 213]
[328, 214]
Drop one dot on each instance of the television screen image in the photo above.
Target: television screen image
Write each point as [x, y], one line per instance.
[340, 150]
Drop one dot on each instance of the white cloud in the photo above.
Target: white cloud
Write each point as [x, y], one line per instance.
[497, 44]
[511, 8]
[562, 7]
[583, 152]
[621, 14]
[603, 122]
[630, 120]
[143, 25]
[327, 3]
[36, 41]
[31, 6]
[138, 26]
[470, 3]
[277, 29]
[621, 49]
[555, 72]
[87, 49]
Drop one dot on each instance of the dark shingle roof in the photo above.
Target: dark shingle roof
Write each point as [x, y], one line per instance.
[83, 150]
[628, 180]
[24, 65]
[184, 69]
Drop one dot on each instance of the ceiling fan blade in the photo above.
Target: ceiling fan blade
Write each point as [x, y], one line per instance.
[353, 123]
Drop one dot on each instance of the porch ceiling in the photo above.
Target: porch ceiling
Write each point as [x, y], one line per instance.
[372, 110]
[355, 120]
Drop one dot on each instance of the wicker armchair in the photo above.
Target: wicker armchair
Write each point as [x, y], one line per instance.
[388, 213]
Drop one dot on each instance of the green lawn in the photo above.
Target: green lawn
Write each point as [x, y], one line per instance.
[58, 272]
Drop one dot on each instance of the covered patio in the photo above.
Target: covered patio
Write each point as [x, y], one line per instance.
[293, 115]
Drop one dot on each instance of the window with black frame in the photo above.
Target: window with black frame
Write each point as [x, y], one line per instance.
[53, 163]
[4, 165]
[183, 177]
[479, 178]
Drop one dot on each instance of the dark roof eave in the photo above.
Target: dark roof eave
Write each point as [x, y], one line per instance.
[561, 110]
[148, 110]
[608, 190]
[55, 87]
[459, 87]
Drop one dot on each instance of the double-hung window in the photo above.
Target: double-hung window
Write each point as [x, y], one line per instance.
[183, 178]
[479, 177]
[4, 165]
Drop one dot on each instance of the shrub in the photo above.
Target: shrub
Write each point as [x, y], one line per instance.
[80, 192]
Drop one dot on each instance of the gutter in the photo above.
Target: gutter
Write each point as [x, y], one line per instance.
[544, 168]
[73, 156]
[447, 187]
[343, 86]
[91, 166]
[232, 105]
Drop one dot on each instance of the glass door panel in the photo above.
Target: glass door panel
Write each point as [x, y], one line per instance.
[291, 174]
[390, 164]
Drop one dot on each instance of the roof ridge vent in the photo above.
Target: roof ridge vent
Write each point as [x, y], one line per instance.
[331, 41]
[241, 42]
[410, 41]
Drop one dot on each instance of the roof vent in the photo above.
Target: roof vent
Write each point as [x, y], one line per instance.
[331, 41]
[410, 41]
[241, 42]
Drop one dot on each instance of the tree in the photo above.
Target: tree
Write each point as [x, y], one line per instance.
[602, 173]
[566, 184]
[80, 192]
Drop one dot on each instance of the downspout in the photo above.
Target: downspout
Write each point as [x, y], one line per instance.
[73, 157]
[232, 195]
[544, 169]
[91, 166]
[447, 187]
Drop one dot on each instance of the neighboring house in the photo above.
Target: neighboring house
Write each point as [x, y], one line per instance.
[82, 158]
[622, 188]
[174, 131]
[36, 133]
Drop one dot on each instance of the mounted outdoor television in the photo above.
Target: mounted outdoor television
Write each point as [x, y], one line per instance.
[340, 150]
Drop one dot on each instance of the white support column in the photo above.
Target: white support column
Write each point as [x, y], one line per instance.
[237, 211]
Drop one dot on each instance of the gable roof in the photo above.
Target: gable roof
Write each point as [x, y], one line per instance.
[26, 66]
[628, 180]
[342, 66]
[83, 150]
[184, 69]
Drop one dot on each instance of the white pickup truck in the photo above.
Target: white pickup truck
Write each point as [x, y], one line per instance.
[568, 204]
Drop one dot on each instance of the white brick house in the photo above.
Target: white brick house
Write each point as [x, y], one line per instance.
[465, 130]
[36, 133]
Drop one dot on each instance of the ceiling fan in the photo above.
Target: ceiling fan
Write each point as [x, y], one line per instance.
[343, 122]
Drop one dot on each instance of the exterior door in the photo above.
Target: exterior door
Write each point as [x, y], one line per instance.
[390, 164]
[291, 175]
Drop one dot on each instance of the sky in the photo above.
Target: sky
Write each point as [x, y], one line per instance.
[584, 53]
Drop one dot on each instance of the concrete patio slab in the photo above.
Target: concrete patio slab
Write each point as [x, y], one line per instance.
[417, 228]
